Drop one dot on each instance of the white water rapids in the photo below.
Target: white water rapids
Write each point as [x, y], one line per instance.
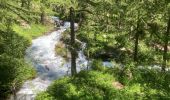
[48, 65]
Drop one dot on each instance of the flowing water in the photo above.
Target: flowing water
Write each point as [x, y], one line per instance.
[48, 65]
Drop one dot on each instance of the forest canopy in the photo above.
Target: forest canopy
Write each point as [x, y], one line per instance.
[133, 35]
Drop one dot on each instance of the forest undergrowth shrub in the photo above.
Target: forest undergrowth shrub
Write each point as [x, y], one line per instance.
[97, 65]
[97, 85]
[60, 49]
[13, 72]
[13, 69]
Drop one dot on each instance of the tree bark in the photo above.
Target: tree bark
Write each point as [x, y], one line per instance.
[136, 44]
[14, 92]
[166, 37]
[73, 52]
[42, 17]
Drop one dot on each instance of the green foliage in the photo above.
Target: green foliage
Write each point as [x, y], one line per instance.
[109, 28]
[155, 83]
[13, 44]
[61, 50]
[44, 96]
[61, 7]
[112, 25]
[85, 85]
[97, 65]
[13, 69]
[13, 73]
[94, 85]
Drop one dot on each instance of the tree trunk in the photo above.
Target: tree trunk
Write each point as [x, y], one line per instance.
[73, 52]
[166, 37]
[14, 92]
[42, 17]
[136, 44]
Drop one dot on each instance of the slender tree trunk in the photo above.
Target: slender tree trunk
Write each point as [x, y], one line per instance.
[42, 17]
[88, 59]
[15, 96]
[166, 46]
[14, 92]
[136, 44]
[73, 52]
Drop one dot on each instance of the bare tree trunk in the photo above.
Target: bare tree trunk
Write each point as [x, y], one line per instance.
[166, 37]
[136, 44]
[42, 15]
[136, 47]
[42, 20]
[73, 52]
[88, 59]
[14, 92]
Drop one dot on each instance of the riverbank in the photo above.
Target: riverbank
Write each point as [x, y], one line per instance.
[48, 66]
[33, 31]
[12, 57]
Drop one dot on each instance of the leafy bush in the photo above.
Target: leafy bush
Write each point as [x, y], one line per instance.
[13, 69]
[97, 65]
[92, 85]
[15, 45]
[13, 73]
[95, 85]
[61, 50]
[44, 96]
